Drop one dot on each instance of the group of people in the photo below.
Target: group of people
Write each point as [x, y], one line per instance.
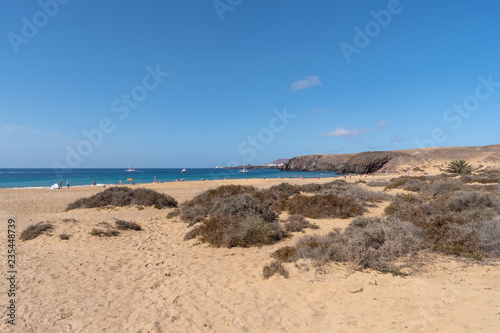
[67, 184]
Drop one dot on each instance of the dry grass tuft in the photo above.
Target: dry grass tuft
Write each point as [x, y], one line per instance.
[296, 223]
[276, 267]
[126, 225]
[33, 231]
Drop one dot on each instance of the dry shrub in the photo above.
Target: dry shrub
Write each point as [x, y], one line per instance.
[460, 201]
[285, 254]
[354, 191]
[243, 231]
[124, 196]
[406, 207]
[366, 242]
[64, 236]
[276, 267]
[241, 205]
[378, 183]
[198, 208]
[33, 231]
[451, 221]
[445, 186]
[414, 184]
[489, 237]
[126, 225]
[274, 200]
[311, 188]
[286, 188]
[323, 206]
[479, 179]
[296, 223]
[191, 234]
[174, 213]
[107, 232]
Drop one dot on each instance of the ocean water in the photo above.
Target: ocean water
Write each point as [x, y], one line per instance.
[44, 178]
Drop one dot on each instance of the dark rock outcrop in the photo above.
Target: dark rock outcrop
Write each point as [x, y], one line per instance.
[366, 162]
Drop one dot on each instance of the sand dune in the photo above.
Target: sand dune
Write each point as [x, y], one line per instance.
[153, 281]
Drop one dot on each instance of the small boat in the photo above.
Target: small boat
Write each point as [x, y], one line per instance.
[244, 170]
[183, 170]
[130, 168]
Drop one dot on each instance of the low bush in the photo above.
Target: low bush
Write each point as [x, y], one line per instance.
[276, 267]
[33, 231]
[296, 223]
[311, 188]
[460, 201]
[324, 206]
[199, 208]
[366, 243]
[124, 196]
[174, 213]
[286, 188]
[415, 184]
[64, 236]
[378, 183]
[191, 234]
[126, 225]
[479, 179]
[489, 237]
[243, 231]
[107, 233]
[285, 254]
[451, 221]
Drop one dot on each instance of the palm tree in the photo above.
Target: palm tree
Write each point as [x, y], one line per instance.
[459, 166]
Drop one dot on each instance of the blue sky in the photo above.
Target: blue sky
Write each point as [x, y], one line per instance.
[197, 83]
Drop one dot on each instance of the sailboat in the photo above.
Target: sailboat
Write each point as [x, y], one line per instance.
[183, 170]
[130, 168]
[244, 170]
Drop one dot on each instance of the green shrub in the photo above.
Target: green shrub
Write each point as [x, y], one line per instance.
[459, 166]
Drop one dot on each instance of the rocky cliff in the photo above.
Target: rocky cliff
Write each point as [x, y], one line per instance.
[366, 162]
[396, 161]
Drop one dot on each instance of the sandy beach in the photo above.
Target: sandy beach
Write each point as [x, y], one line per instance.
[154, 281]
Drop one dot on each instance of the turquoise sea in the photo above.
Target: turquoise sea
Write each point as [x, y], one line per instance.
[44, 178]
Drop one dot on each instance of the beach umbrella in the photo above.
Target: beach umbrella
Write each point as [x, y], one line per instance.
[130, 179]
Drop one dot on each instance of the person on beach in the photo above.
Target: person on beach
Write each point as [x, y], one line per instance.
[67, 183]
[60, 185]
[94, 183]
[154, 181]
[120, 181]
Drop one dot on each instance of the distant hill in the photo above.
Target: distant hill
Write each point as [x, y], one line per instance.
[278, 162]
[432, 160]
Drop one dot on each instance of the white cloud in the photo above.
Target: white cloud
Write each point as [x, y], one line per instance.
[308, 82]
[340, 131]
[397, 138]
[350, 133]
